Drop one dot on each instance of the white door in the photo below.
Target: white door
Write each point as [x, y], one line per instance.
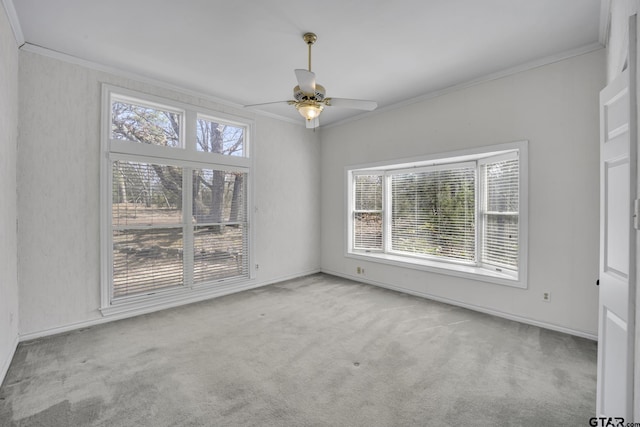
[617, 250]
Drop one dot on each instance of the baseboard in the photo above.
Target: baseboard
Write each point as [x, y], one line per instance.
[163, 306]
[7, 362]
[473, 307]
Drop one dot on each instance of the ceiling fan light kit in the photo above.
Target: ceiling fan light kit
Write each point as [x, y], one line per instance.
[309, 97]
[309, 110]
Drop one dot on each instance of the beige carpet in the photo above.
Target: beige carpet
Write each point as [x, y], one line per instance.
[315, 351]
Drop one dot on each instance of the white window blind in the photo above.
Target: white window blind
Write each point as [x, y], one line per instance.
[367, 219]
[500, 212]
[433, 213]
[220, 230]
[147, 227]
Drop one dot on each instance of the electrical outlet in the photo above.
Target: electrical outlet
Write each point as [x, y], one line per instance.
[359, 270]
[257, 266]
[546, 296]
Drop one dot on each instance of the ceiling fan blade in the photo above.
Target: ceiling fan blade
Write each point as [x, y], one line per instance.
[306, 80]
[313, 123]
[358, 104]
[267, 103]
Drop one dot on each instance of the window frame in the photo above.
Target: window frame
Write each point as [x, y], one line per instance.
[477, 270]
[187, 157]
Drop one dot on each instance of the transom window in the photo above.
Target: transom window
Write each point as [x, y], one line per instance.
[458, 213]
[175, 198]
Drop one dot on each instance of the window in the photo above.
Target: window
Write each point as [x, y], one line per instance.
[433, 212]
[459, 214]
[215, 137]
[175, 197]
[499, 211]
[147, 231]
[145, 123]
[367, 221]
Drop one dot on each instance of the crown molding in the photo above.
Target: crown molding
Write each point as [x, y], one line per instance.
[486, 78]
[39, 50]
[27, 47]
[12, 15]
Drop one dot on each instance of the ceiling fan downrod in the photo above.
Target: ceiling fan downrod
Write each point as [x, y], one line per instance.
[309, 39]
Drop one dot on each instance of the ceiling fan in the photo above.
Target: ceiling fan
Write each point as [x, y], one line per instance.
[309, 96]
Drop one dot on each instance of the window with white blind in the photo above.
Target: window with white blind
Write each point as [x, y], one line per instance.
[458, 213]
[367, 211]
[499, 211]
[433, 212]
[175, 196]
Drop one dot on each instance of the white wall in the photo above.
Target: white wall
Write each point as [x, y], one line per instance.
[58, 197]
[8, 144]
[555, 108]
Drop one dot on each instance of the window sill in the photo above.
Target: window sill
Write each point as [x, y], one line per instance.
[172, 297]
[465, 271]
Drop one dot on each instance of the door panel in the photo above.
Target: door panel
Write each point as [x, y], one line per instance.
[616, 216]
[615, 365]
[617, 250]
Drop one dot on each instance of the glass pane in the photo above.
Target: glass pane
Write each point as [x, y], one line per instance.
[501, 241]
[367, 229]
[219, 252]
[433, 213]
[146, 260]
[501, 181]
[219, 196]
[368, 192]
[216, 137]
[147, 125]
[146, 194]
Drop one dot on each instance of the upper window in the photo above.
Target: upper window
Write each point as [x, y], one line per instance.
[145, 123]
[175, 198]
[458, 213]
[222, 138]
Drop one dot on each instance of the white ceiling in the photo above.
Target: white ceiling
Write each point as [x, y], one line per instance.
[245, 51]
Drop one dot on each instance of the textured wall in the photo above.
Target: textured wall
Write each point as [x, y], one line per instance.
[8, 144]
[555, 108]
[58, 200]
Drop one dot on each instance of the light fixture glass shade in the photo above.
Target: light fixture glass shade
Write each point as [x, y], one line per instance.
[310, 111]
